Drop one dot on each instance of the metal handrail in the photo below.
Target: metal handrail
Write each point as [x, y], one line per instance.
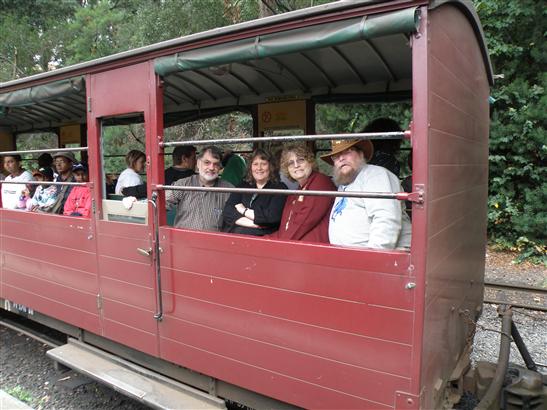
[402, 196]
[46, 183]
[157, 252]
[41, 151]
[362, 136]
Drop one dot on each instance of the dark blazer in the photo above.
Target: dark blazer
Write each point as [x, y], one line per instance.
[267, 209]
[306, 218]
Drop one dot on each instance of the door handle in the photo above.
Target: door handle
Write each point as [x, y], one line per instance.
[144, 252]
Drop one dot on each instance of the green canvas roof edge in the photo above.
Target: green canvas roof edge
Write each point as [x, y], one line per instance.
[324, 35]
[42, 93]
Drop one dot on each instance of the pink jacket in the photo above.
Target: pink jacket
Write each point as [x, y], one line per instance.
[78, 202]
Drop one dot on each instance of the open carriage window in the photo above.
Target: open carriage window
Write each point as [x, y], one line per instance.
[124, 169]
[181, 161]
[35, 141]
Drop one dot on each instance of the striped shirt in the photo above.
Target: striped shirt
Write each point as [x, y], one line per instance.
[198, 210]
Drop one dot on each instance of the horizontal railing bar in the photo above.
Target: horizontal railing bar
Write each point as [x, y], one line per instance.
[40, 151]
[402, 196]
[45, 183]
[361, 136]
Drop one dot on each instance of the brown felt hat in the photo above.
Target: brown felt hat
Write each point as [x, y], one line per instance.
[337, 146]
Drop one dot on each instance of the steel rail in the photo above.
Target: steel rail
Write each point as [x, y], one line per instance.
[516, 304]
[285, 138]
[510, 286]
[402, 196]
[522, 289]
[36, 335]
[40, 151]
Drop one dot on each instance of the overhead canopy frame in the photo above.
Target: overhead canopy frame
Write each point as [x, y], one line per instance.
[300, 40]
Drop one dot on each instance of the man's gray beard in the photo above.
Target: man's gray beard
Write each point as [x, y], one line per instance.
[208, 178]
[345, 179]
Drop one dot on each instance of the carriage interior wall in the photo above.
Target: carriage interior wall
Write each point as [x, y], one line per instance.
[307, 324]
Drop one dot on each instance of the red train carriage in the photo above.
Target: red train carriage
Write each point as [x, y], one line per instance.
[255, 321]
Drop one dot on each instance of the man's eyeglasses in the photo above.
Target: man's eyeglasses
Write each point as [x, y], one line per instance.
[208, 163]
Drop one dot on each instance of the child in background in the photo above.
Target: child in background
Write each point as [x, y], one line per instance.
[45, 195]
[78, 202]
[23, 199]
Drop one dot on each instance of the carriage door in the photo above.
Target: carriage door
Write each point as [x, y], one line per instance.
[118, 118]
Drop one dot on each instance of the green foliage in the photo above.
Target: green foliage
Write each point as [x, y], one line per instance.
[33, 36]
[332, 118]
[20, 394]
[518, 142]
[94, 31]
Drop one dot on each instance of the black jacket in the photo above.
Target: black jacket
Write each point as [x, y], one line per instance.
[267, 210]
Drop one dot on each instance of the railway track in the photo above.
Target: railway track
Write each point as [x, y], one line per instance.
[522, 296]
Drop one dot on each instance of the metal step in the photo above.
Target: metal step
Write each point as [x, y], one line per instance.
[132, 380]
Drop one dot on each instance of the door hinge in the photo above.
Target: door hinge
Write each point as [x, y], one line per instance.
[88, 104]
[99, 301]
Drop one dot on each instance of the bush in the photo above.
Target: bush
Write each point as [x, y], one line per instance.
[518, 144]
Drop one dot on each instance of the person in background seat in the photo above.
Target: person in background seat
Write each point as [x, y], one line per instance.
[385, 151]
[130, 177]
[45, 196]
[256, 214]
[200, 210]
[184, 164]
[12, 192]
[46, 161]
[78, 202]
[234, 168]
[305, 218]
[365, 222]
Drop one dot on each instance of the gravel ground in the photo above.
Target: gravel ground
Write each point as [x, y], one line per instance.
[532, 325]
[26, 372]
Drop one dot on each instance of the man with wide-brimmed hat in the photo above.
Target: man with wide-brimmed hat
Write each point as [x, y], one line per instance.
[365, 222]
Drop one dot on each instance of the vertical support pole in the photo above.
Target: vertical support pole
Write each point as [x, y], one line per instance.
[420, 161]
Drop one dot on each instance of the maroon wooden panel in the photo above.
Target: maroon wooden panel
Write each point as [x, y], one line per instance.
[127, 271]
[142, 320]
[289, 309]
[55, 308]
[120, 91]
[448, 149]
[445, 212]
[74, 278]
[295, 391]
[130, 336]
[69, 258]
[64, 231]
[294, 267]
[339, 346]
[457, 192]
[55, 291]
[126, 286]
[363, 260]
[347, 316]
[129, 293]
[275, 385]
[49, 261]
[126, 278]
